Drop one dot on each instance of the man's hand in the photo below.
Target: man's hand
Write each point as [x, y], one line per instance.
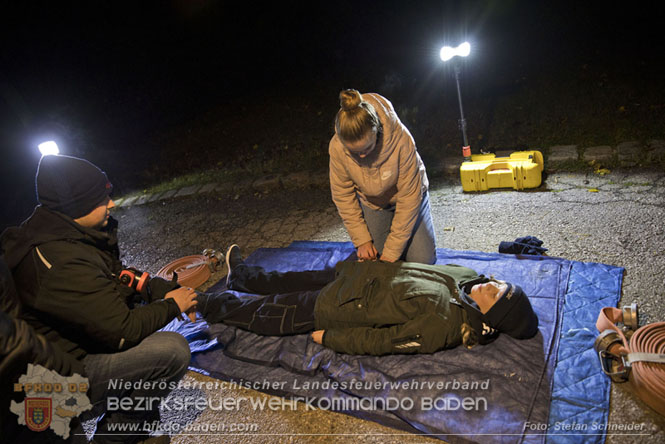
[185, 297]
[387, 259]
[367, 252]
[317, 336]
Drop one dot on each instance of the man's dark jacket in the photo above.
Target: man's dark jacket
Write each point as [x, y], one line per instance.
[20, 345]
[67, 280]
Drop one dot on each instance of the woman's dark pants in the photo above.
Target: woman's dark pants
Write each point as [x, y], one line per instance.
[278, 304]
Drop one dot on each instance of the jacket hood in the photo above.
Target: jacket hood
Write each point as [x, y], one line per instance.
[485, 331]
[44, 226]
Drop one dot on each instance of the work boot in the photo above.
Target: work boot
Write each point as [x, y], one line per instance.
[233, 259]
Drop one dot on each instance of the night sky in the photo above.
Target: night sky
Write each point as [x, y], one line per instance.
[102, 75]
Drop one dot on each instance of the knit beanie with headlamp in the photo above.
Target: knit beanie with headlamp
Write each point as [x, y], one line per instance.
[70, 185]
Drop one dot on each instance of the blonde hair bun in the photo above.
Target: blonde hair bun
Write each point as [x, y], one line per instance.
[350, 99]
[356, 117]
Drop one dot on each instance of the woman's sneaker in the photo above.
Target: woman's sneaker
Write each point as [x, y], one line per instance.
[233, 259]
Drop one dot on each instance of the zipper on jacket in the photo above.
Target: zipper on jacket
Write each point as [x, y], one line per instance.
[369, 288]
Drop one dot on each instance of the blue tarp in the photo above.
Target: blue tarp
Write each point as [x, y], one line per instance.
[546, 389]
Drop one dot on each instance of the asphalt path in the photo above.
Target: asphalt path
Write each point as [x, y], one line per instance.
[615, 219]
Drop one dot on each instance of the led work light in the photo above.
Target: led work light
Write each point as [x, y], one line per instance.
[48, 148]
[448, 52]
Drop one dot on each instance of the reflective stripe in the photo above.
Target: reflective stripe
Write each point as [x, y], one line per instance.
[122, 342]
[47, 263]
[408, 345]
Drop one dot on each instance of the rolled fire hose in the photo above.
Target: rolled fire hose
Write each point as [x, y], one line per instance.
[193, 271]
[643, 356]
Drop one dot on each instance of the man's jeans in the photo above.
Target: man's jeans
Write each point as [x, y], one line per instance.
[162, 358]
[422, 245]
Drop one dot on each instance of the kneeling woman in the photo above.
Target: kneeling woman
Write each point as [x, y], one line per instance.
[378, 182]
[373, 307]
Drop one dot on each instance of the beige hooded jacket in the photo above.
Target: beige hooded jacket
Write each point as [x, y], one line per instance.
[392, 174]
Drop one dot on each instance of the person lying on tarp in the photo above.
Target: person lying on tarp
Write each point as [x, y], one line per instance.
[373, 307]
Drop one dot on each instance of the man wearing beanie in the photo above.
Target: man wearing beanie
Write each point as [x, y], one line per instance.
[373, 307]
[65, 263]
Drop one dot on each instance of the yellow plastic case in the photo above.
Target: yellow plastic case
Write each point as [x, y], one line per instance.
[523, 169]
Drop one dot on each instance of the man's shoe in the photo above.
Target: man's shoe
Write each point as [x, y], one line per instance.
[233, 259]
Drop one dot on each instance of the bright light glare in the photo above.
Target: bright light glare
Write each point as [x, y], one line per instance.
[48, 148]
[448, 53]
[464, 49]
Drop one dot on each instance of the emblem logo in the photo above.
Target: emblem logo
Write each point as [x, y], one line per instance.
[51, 400]
[37, 413]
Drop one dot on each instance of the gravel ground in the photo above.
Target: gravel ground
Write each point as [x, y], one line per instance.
[614, 219]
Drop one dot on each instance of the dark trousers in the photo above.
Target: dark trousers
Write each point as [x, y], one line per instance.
[278, 304]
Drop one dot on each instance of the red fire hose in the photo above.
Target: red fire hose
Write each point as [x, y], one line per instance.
[193, 271]
[642, 358]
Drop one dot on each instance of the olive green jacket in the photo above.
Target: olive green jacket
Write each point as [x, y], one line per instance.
[380, 308]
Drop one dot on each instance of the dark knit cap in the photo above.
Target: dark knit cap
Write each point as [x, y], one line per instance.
[71, 185]
[511, 314]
